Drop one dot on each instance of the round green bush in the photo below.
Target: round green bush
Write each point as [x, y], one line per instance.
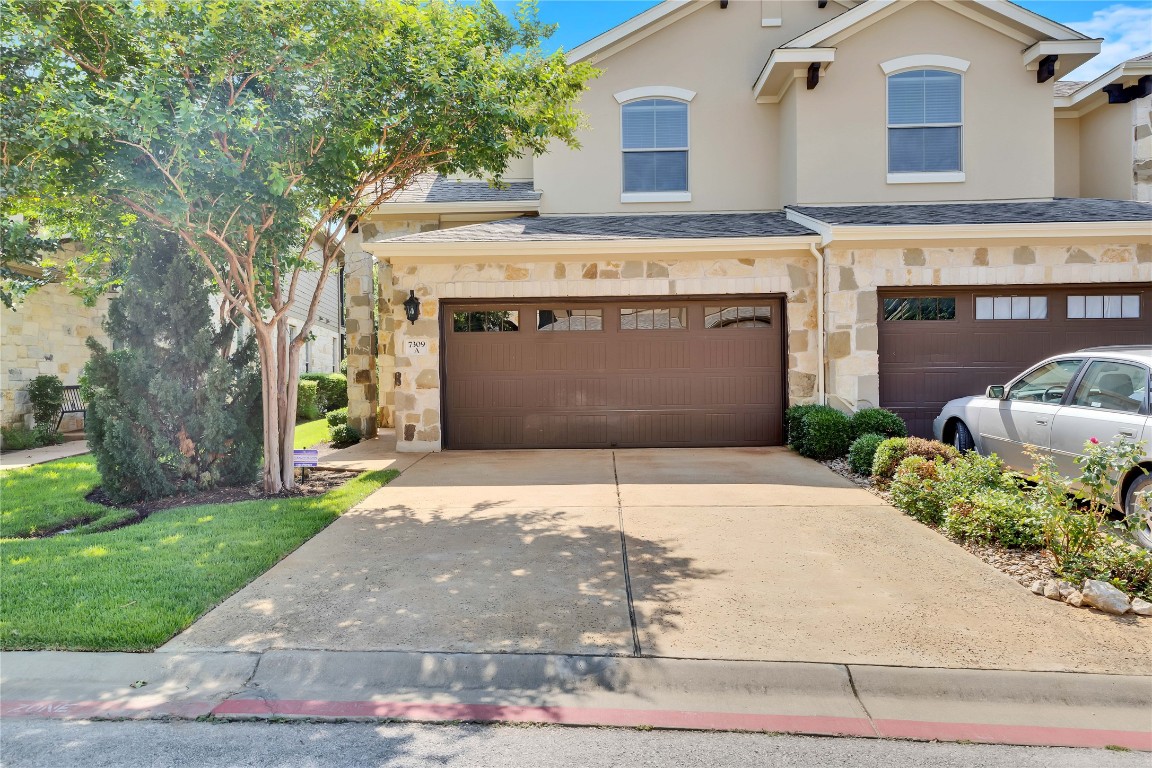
[895, 449]
[995, 516]
[47, 395]
[307, 405]
[332, 390]
[862, 451]
[794, 424]
[344, 435]
[878, 421]
[337, 417]
[826, 434]
[916, 490]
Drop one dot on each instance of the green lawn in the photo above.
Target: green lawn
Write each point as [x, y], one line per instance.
[49, 497]
[310, 433]
[133, 588]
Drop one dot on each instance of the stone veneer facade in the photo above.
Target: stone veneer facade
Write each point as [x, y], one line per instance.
[45, 335]
[853, 276]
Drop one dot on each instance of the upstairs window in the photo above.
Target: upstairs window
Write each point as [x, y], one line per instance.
[655, 135]
[924, 122]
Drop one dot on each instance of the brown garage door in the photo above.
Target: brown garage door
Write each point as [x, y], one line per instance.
[937, 344]
[620, 373]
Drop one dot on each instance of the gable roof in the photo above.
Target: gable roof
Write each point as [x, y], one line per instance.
[1081, 97]
[636, 28]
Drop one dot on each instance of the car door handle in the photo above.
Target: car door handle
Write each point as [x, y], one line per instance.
[1127, 432]
[1041, 421]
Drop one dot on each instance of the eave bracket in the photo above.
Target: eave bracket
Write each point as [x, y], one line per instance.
[813, 75]
[1046, 70]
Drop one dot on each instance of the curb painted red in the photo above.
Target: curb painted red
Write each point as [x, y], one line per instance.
[986, 733]
[103, 709]
[430, 712]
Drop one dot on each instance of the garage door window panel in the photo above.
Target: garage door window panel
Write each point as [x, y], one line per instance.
[1111, 386]
[738, 317]
[1106, 307]
[559, 320]
[658, 319]
[1011, 307]
[1046, 384]
[920, 308]
[497, 321]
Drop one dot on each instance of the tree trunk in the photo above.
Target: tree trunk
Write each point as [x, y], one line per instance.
[291, 388]
[266, 344]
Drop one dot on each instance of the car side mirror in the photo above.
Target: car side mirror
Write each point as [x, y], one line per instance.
[995, 392]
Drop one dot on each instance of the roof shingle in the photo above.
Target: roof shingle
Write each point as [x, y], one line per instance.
[1060, 210]
[434, 188]
[627, 227]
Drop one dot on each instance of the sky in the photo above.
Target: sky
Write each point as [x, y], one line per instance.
[1125, 25]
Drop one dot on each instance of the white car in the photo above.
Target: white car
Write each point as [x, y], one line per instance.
[1057, 406]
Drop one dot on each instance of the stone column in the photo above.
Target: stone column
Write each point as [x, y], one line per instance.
[359, 285]
[386, 347]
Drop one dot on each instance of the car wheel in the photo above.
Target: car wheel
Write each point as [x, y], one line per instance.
[962, 439]
[1143, 531]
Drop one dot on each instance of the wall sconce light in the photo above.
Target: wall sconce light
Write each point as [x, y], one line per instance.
[412, 307]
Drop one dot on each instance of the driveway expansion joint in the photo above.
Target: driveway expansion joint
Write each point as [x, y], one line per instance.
[636, 649]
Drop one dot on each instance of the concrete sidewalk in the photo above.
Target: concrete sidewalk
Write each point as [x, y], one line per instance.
[1031, 708]
[33, 456]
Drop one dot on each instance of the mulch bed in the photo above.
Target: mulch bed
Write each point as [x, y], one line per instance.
[318, 482]
[1023, 565]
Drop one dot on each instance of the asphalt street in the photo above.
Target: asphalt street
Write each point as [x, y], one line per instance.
[64, 744]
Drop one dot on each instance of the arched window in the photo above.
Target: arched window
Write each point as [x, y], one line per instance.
[925, 120]
[655, 146]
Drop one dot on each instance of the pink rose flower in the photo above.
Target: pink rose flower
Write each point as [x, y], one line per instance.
[1094, 441]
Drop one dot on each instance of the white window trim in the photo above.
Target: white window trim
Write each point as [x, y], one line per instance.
[923, 177]
[936, 177]
[656, 92]
[655, 197]
[925, 61]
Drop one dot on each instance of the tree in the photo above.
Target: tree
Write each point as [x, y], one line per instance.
[171, 407]
[257, 131]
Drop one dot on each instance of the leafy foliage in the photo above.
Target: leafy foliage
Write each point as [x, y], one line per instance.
[894, 450]
[306, 402]
[46, 392]
[818, 431]
[332, 389]
[337, 417]
[878, 421]
[20, 438]
[259, 142]
[916, 490]
[862, 452]
[995, 516]
[344, 435]
[794, 423]
[172, 408]
[21, 250]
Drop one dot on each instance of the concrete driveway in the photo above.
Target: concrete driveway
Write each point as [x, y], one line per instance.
[717, 554]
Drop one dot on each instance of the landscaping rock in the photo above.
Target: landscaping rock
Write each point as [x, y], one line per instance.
[1141, 607]
[1102, 595]
[1076, 599]
[1052, 590]
[1037, 587]
[1066, 589]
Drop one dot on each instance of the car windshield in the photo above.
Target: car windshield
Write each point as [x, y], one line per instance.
[1047, 383]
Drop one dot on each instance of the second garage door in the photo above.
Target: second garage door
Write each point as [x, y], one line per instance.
[600, 374]
[937, 344]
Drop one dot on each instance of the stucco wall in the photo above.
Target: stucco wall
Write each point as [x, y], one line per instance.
[734, 142]
[45, 335]
[417, 403]
[1067, 157]
[1008, 129]
[1106, 150]
[854, 274]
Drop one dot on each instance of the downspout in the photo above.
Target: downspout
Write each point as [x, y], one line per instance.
[818, 254]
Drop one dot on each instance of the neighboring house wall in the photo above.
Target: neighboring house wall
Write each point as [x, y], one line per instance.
[1106, 152]
[1067, 157]
[45, 335]
[735, 143]
[322, 355]
[841, 131]
[1142, 149]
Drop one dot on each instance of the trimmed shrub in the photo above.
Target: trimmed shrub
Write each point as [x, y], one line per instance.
[47, 395]
[916, 489]
[794, 424]
[344, 366]
[895, 449]
[344, 435]
[337, 417]
[863, 451]
[332, 390]
[972, 472]
[19, 438]
[826, 432]
[307, 396]
[995, 516]
[878, 421]
[1117, 562]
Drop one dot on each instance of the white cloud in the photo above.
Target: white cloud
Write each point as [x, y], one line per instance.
[1127, 33]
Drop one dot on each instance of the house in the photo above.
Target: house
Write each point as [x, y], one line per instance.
[860, 203]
